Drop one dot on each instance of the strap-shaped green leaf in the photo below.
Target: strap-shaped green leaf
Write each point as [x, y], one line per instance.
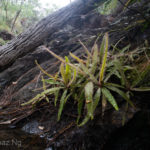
[68, 69]
[56, 94]
[44, 88]
[85, 48]
[51, 90]
[102, 70]
[121, 93]
[141, 89]
[38, 96]
[80, 105]
[120, 68]
[110, 98]
[63, 74]
[76, 58]
[52, 82]
[114, 85]
[73, 78]
[45, 72]
[94, 59]
[61, 106]
[89, 89]
[56, 56]
[85, 120]
[42, 95]
[84, 68]
[102, 48]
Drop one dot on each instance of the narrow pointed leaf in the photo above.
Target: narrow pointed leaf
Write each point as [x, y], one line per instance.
[119, 67]
[141, 89]
[51, 90]
[56, 56]
[76, 58]
[44, 88]
[89, 89]
[61, 106]
[49, 75]
[32, 100]
[52, 82]
[114, 85]
[85, 48]
[68, 69]
[125, 48]
[102, 48]
[85, 120]
[122, 94]
[73, 78]
[62, 71]
[94, 59]
[85, 69]
[56, 93]
[102, 71]
[110, 98]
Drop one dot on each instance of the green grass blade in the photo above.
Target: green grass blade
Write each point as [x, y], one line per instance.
[85, 48]
[85, 120]
[110, 98]
[51, 90]
[104, 59]
[89, 89]
[56, 94]
[38, 96]
[44, 88]
[76, 58]
[68, 69]
[122, 94]
[56, 56]
[52, 82]
[63, 74]
[73, 78]
[94, 59]
[61, 106]
[85, 69]
[45, 72]
[141, 89]
[119, 67]
[114, 85]
[102, 48]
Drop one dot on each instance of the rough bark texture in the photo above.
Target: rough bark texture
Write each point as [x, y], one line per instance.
[35, 35]
[19, 81]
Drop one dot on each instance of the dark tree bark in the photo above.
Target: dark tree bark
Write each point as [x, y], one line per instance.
[35, 35]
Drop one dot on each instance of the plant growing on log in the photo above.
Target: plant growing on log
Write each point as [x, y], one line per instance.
[88, 81]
